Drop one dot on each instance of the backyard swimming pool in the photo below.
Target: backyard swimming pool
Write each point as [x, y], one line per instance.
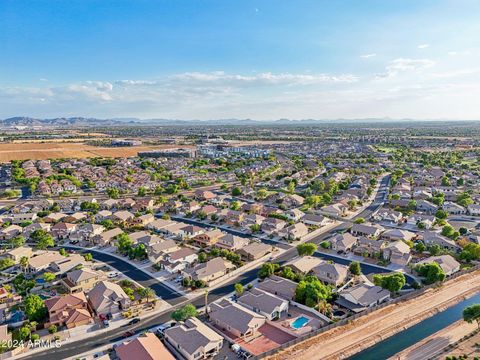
[299, 322]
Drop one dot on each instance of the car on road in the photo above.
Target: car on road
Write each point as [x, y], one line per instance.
[128, 334]
[113, 275]
[134, 321]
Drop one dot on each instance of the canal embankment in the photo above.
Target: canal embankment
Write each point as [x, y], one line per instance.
[365, 331]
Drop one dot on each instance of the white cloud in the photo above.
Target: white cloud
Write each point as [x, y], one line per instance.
[402, 65]
[423, 46]
[368, 56]
[267, 78]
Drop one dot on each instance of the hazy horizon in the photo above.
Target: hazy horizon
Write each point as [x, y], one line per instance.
[246, 59]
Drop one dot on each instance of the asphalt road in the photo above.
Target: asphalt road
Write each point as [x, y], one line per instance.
[85, 345]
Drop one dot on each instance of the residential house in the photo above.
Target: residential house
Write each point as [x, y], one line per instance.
[107, 237]
[331, 273]
[294, 232]
[194, 340]
[68, 263]
[447, 262]
[10, 232]
[431, 238]
[42, 261]
[304, 264]
[179, 260]
[362, 296]
[269, 305]
[254, 251]
[144, 347]
[279, 286]
[17, 253]
[398, 234]
[157, 251]
[62, 230]
[398, 253]
[335, 210]
[231, 242]
[210, 270]
[208, 238]
[236, 319]
[272, 225]
[81, 280]
[108, 298]
[68, 310]
[343, 242]
[369, 231]
[315, 220]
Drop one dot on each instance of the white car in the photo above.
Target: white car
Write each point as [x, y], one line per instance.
[113, 275]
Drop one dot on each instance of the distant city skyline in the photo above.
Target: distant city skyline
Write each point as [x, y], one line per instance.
[240, 59]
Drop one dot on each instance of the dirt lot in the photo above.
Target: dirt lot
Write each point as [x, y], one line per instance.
[367, 330]
[42, 151]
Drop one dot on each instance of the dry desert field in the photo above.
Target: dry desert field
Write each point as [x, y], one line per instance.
[43, 151]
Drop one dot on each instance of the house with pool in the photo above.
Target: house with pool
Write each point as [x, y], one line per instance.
[269, 305]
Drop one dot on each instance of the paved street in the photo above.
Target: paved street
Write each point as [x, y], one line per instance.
[85, 345]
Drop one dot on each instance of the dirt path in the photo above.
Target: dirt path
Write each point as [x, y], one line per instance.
[344, 341]
[434, 344]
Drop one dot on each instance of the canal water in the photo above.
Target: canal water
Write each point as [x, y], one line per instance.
[402, 340]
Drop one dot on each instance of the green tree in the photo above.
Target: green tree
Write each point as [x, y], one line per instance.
[42, 238]
[24, 332]
[5, 263]
[267, 270]
[470, 252]
[124, 243]
[113, 193]
[393, 282]
[202, 257]
[48, 276]
[141, 191]
[359, 220]
[432, 272]
[236, 191]
[184, 313]
[88, 257]
[306, 249]
[24, 260]
[147, 293]
[35, 309]
[355, 268]
[311, 290]
[238, 289]
[52, 329]
[472, 313]
[441, 214]
[17, 241]
[420, 247]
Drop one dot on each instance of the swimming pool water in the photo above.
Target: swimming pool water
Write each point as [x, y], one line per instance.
[299, 322]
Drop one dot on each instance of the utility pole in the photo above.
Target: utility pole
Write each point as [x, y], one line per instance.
[206, 302]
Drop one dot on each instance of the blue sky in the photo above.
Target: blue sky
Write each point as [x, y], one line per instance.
[262, 59]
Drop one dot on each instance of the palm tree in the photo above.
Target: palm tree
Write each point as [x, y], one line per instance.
[324, 307]
[24, 262]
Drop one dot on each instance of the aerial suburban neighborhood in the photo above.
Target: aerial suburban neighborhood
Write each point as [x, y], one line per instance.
[242, 179]
[248, 253]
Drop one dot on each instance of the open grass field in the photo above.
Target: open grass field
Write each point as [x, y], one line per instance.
[43, 151]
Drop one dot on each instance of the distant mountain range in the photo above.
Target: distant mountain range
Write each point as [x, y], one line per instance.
[82, 121]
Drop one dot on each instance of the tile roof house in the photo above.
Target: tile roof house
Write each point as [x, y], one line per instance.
[65, 264]
[231, 242]
[304, 264]
[179, 260]
[254, 251]
[107, 237]
[208, 238]
[334, 274]
[370, 231]
[17, 253]
[294, 232]
[157, 251]
[269, 305]
[398, 234]
[108, 298]
[343, 242]
[398, 253]
[80, 280]
[448, 264]
[432, 237]
[194, 340]
[43, 261]
[70, 310]
[145, 347]
[210, 270]
[315, 220]
[10, 232]
[279, 286]
[362, 296]
[235, 319]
